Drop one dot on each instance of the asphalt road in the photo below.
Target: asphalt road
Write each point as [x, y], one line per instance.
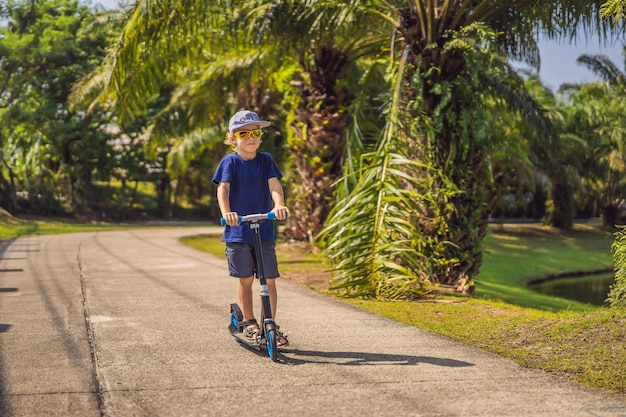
[133, 323]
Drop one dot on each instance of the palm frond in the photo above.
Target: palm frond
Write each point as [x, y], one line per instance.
[187, 147]
[157, 38]
[615, 9]
[602, 66]
[89, 91]
[507, 87]
[369, 235]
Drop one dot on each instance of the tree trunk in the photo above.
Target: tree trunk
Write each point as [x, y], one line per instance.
[9, 186]
[611, 216]
[318, 163]
[560, 205]
[318, 146]
[452, 218]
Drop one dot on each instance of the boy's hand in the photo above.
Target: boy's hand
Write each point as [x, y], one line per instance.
[232, 218]
[281, 212]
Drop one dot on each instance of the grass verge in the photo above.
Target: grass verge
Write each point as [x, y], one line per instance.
[11, 227]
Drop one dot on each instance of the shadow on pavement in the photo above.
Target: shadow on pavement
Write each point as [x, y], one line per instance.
[299, 357]
[4, 403]
[5, 409]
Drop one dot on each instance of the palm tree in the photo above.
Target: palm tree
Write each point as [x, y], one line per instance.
[325, 40]
[560, 160]
[411, 229]
[441, 117]
[515, 189]
[599, 109]
[437, 109]
[307, 50]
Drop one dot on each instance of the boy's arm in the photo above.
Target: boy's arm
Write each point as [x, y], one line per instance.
[278, 197]
[232, 219]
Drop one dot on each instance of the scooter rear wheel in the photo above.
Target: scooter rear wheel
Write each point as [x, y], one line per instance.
[236, 316]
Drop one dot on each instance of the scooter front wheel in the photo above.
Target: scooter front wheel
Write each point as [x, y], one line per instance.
[272, 348]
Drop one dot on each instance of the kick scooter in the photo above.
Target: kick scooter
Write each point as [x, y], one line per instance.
[266, 336]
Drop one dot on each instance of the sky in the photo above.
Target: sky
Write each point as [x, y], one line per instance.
[558, 60]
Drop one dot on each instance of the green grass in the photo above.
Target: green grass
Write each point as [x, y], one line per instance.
[206, 243]
[13, 227]
[517, 255]
[581, 342]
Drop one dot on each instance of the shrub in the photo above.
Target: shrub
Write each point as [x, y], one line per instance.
[617, 294]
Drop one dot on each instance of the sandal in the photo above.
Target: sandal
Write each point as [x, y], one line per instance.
[250, 328]
[281, 338]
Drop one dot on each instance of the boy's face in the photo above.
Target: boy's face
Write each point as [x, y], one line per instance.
[248, 138]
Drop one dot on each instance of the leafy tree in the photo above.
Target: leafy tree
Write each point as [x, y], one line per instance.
[147, 78]
[47, 149]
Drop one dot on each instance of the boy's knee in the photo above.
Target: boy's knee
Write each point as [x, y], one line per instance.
[246, 282]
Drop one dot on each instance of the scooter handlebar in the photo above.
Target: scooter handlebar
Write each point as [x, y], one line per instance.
[252, 218]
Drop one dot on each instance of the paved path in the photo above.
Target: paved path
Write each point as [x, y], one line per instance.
[133, 323]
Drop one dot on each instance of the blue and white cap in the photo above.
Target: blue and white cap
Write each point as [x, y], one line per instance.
[245, 118]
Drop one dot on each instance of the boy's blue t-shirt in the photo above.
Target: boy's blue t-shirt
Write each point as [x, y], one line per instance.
[249, 192]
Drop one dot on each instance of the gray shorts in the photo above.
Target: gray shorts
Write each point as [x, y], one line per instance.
[242, 260]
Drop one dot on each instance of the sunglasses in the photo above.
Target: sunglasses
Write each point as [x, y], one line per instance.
[245, 134]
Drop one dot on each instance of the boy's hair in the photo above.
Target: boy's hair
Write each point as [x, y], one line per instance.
[231, 140]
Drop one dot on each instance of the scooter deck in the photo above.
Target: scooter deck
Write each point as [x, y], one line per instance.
[241, 338]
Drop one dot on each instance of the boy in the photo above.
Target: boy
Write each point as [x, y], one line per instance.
[247, 183]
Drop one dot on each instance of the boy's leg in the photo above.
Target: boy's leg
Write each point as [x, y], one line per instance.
[244, 293]
[241, 264]
[271, 272]
[271, 284]
[281, 338]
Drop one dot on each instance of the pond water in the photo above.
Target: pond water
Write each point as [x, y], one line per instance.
[591, 289]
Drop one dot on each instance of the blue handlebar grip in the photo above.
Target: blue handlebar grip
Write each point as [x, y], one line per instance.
[270, 216]
[223, 221]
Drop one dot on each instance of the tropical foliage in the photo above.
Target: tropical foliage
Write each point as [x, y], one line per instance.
[400, 124]
[327, 41]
